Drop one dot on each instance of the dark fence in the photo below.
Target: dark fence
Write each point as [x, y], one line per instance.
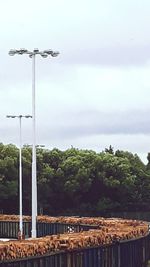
[133, 253]
[10, 229]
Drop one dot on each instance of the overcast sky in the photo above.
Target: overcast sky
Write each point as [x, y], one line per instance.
[97, 92]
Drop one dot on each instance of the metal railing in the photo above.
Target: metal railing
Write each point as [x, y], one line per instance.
[10, 229]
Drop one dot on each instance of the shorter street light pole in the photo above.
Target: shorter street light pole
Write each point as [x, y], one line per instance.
[20, 169]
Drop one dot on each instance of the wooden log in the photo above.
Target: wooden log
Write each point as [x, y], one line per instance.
[110, 230]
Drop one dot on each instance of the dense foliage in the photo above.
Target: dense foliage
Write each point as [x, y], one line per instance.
[75, 181]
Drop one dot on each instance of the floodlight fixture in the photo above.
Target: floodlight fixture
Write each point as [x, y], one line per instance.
[48, 51]
[11, 116]
[23, 50]
[12, 52]
[44, 55]
[40, 146]
[55, 54]
[36, 50]
[28, 116]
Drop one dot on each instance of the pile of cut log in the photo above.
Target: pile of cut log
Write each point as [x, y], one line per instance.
[109, 231]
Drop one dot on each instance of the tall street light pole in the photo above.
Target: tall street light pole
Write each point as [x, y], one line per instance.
[20, 168]
[32, 55]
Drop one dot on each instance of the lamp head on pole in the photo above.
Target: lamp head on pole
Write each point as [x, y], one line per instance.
[36, 51]
[48, 51]
[11, 116]
[22, 51]
[28, 116]
[55, 54]
[12, 52]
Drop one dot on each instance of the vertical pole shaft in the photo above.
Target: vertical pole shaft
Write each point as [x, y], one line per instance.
[34, 180]
[20, 180]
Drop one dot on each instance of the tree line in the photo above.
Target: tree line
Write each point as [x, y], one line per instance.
[75, 182]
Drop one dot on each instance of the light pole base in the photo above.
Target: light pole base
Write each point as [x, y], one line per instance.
[33, 232]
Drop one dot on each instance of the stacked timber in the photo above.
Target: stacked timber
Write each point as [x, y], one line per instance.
[45, 245]
[97, 221]
[108, 231]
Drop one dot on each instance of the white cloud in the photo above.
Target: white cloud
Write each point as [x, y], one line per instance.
[102, 71]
